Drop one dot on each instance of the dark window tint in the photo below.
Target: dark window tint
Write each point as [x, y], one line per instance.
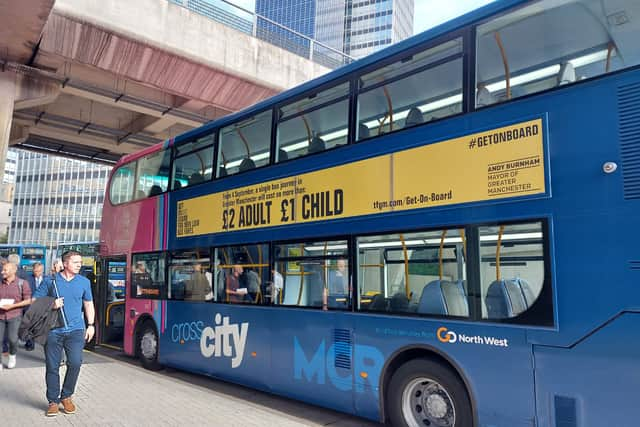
[147, 276]
[122, 183]
[245, 145]
[314, 124]
[552, 43]
[415, 273]
[153, 174]
[414, 90]
[190, 277]
[307, 270]
[512, 268]
[242, 274]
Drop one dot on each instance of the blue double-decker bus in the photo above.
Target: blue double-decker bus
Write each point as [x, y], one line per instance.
[29, 254]
[443, 233]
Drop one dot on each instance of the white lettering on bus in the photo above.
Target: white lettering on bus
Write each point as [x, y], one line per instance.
[222, 340]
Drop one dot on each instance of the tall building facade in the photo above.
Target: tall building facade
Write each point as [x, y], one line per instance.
[371, 25]
[56, 200]
[355, 27]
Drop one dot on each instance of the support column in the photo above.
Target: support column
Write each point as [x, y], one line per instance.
[7, 98]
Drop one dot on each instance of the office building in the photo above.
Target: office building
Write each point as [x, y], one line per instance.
[56, 200]
[355, 27]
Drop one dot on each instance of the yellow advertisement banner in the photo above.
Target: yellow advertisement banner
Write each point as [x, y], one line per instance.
[494, 164]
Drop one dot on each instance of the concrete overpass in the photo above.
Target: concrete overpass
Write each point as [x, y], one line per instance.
[97, 79]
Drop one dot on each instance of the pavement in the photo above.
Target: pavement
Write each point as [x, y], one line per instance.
[116, 391]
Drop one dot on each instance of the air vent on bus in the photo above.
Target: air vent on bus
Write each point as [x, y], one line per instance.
[634, 265]
[565, 408]
[629, 129]
[342, 348]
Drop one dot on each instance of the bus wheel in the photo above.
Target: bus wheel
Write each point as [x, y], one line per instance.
[423, 392]
[148, 347]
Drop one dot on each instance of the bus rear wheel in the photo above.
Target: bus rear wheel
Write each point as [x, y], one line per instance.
[148, 347]
[423, 392]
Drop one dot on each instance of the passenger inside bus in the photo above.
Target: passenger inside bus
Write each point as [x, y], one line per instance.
[339, 278]
[234, 288]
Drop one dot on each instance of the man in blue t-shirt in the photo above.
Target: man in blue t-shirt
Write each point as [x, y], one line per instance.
[72, 293]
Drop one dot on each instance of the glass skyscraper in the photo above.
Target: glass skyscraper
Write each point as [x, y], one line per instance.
[355, 27]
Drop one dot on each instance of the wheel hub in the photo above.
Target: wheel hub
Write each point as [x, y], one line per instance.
[148, 345]
[426, 403]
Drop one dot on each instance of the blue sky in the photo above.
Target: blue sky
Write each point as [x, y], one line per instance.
[429, 13]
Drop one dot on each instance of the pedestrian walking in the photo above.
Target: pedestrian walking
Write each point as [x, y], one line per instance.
[72, 293]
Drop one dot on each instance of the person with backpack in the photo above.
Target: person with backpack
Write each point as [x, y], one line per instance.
[15, 293]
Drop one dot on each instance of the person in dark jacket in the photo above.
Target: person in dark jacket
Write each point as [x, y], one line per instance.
[39, 320]
[35, 279]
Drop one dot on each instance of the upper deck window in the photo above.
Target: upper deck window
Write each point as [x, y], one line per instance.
[153, 174]
[122, 183]
[552, 43]
[414, 90]
[245, 145]
[193, 163]
[314, 124]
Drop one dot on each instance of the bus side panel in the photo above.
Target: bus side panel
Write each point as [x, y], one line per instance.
[496, 362]
[311, 356]
[596, 382]
[135, 228]
[223, 341]
[141, 307]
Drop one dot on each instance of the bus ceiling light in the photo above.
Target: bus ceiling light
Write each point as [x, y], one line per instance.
[610, 167]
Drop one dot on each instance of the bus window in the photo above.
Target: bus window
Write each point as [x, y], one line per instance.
[308, 268]
[245, 145]
[121, 188]
[242, 274]
[193, 163]
[550, 44]
[147, 276]
[414, 90]
[190, 276]
[422, 273]
[153, 174]
[512, 268]
[314, 124]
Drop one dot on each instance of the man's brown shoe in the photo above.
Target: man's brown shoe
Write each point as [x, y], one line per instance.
[52, 410]
[67, 406]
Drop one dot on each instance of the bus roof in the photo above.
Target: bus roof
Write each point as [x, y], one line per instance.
[341, 73]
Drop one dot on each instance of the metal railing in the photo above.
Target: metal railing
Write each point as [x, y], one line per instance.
[267, 30]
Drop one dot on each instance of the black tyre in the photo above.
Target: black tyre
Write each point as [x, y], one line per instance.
[148, 345]
[423, 392]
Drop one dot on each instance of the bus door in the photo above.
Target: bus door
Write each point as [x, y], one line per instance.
[110, 302]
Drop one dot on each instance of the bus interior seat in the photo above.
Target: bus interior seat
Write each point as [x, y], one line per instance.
[222, 171]
[567, 74]
[444, 297]
[282, 155]
[316, 145]
[196, 178]
[363, 131]
[399, 302]
[484, 97]
[155, 190]
[247, 164]
[177, 185]
[508, 298]
[378, 303]
[414, 117]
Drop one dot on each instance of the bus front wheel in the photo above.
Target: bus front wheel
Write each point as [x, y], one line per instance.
[148, 347]
[423, 392]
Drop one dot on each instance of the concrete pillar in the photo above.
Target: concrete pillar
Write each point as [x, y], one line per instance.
[7, 98]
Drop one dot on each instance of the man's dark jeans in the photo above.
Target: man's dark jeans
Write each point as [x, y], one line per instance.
[9, 331]
[73, 343]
